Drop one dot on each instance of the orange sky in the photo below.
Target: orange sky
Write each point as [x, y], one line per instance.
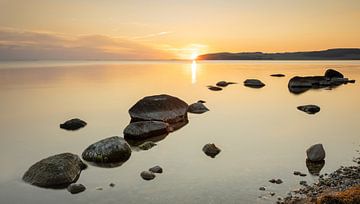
[168, 29]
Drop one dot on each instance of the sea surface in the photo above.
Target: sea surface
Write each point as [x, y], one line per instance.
[261, 133]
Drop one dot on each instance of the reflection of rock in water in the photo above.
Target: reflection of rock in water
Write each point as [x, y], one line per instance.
[134, 144]
[315, 167]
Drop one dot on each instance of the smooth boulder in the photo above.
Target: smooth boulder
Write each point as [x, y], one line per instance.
[145, 129]
[197, 108]
[75, 188]
[165, 108]
[331, 73]
[310, 109]
[110, 150]
[211, 150]
[156, 169]
[253, 83]
[73, 124]
[147, 175]
[316, 153]
[56, 171]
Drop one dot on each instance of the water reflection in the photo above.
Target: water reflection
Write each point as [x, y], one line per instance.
[193, 71]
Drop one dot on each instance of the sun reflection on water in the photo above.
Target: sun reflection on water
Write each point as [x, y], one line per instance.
[193, 71]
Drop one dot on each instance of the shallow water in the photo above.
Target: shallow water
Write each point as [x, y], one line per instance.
[261, 133]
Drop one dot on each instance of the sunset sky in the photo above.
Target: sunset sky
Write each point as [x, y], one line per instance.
[172, 29]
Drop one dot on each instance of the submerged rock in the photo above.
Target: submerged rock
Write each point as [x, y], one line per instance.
[147, 175]
[76, 188]
[147, 145]
[253, 83]
[277, 75]
[211, 150]
[331, 73]
[310, 109]
[109, 150]
[224, 83]
[57, 171]
[214, 88]
[315, 153]
[156, 169]
[145, 129]
[73, 124]
[163, 108]
[197, 108]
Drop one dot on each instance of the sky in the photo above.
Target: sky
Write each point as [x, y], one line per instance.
[172, 29]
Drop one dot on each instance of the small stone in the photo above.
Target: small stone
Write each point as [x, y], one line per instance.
[197, 108]
[253, 83]
[262, 188]
[224, 83]
[112, 185]
[309, 109]
[211, 150]
[76, 188]
[73, 124]
[297, 173]
[316, 153]
[272, 180]
[214, 88]
[147, 175]
[99, 188]
[302, 174]
[272, 193]
[156, 169]
[278, 181]
[277, 75]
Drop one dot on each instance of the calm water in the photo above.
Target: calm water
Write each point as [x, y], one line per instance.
[261, 133]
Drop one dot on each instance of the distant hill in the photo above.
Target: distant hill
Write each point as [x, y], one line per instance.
[330, 54]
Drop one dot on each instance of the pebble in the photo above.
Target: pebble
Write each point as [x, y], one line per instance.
[262, 188]
[147, 175]
[156, 169]
[112, 185]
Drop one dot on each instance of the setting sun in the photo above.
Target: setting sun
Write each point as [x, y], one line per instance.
[194, 55]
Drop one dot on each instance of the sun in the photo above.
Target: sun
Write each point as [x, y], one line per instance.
[194, 55]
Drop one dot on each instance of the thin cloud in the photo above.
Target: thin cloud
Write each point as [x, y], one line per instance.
[152, 35]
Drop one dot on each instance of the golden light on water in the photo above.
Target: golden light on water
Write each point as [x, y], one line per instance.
[193, 71]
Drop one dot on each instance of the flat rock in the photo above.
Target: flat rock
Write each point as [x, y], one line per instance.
[147, 145]
[156, 169]
[197, 108]
[145, 129]
[253, 83]
[165, 108]
[310, 109]
[315, 153]
[224, 83]
[147, 175]
[75, 188]
[110, 150]
[211, 150]
[56, 171]
[331, 73]
[214, 88]
[277, 75]
[73, 124]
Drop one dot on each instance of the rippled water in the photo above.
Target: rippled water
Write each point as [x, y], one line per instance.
[261, 133]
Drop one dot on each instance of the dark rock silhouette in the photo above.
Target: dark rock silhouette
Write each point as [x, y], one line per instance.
[253, 83]
[56, 171]
[316, 153]
[156, 169]
[73, 124]
[197, 108]
[214, 88]
[211, 150]
[224, 83]
[330, 73]
[76, 188]
[145, 129]
[113, 150]
[147, 175]
[277, 75]
[314, 168]
[310, 109]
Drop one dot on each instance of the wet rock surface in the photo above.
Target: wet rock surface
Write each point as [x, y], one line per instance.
[145, 129]
[277, 75]
[165, 108]
[315, 153]
[73, 124]
[156, 169]
[197, 108]
[56, 171]
[110, 150]
[224, 83]
[211, 150]
[309, 109]
[314, 168]
[331, 78]
[76, 188]
[147, 175]
[253, 83]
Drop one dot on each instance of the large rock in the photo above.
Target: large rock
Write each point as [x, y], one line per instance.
[163, 107]
[253, 83]
[315, 153]
[310, 109]
[145, 129]
[57, 171]
[109, 150]
[73, 124]
[197, 108]
[331, 73]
